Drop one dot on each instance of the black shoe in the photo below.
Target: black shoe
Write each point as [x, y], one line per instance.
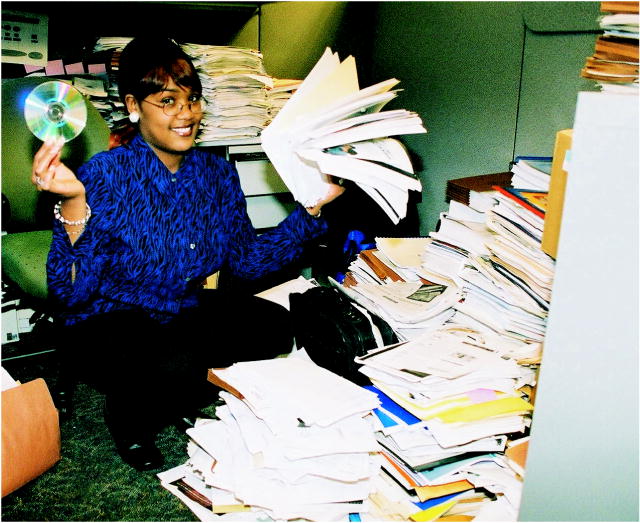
[138, 451]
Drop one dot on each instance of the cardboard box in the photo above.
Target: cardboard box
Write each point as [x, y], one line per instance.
[30, 434]
[557, 185]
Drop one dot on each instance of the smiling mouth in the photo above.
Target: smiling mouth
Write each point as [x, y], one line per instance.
[183, 131]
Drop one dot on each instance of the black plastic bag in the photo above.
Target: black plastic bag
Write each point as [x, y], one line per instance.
[333, 331]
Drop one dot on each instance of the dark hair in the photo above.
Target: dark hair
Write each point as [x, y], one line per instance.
[147, 63]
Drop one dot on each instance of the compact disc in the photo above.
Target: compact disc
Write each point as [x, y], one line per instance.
[55, 109]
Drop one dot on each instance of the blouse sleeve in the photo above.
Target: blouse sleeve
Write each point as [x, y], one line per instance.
[252, 256]
[84, 257]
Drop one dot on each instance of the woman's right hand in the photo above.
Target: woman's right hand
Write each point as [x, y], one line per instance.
[50, 174]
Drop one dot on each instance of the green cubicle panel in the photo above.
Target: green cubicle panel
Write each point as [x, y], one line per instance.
[558, 38]
[459, 66]
[491, 80]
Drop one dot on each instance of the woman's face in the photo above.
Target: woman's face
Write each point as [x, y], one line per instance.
[169, 136]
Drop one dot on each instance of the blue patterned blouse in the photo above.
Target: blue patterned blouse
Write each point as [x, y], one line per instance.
[154, 236]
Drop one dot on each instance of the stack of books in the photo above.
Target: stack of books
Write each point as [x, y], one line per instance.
[614, 65]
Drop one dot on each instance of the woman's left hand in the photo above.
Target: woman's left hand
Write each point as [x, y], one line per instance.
[335, 190]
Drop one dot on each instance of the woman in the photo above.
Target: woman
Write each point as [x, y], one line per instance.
[136, 232]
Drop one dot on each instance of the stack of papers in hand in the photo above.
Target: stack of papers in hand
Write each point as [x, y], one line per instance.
[293, 441]
[234, 83]
[331, 127]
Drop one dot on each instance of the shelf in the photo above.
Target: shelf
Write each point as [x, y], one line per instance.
[214, 23]
[235, 141]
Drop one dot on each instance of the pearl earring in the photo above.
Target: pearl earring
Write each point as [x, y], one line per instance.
[134, 117]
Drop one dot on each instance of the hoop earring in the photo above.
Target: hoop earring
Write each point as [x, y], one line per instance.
[134, 117]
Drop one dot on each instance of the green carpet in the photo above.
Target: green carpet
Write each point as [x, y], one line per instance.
[90, 482]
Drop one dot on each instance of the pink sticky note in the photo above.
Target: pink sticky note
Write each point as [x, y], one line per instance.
[482, 395]
[97, 68]
[76, 68]
[54, 67]
[32, 68]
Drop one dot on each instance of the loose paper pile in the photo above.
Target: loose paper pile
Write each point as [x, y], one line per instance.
[449, 401]
[299, 444]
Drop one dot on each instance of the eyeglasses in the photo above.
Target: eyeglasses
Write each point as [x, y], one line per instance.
[171, 108]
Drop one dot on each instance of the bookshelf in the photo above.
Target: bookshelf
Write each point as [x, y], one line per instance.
[583, 456]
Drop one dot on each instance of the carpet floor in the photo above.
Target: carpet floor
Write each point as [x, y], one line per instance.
[90, 482]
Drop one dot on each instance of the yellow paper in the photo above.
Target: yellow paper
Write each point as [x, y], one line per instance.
[342, 81]
[338, 79]
[510, 405]
[459, 408]
[433, 513]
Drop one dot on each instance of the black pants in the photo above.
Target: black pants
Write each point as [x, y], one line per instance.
[152, 372]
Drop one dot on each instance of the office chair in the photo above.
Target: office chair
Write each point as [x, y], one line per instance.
[27, 214]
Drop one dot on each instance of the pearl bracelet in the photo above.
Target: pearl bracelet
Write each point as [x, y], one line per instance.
[60, 218]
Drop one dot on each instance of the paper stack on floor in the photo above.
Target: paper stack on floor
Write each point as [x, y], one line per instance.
[297, 443]
[449, 401]
[457, 398]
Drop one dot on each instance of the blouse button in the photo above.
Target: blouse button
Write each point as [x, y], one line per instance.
[173, 179]
[192, 246]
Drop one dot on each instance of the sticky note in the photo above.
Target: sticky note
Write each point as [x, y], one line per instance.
[77, 68]
[54, 68]
[97, 68]
[32, 68]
